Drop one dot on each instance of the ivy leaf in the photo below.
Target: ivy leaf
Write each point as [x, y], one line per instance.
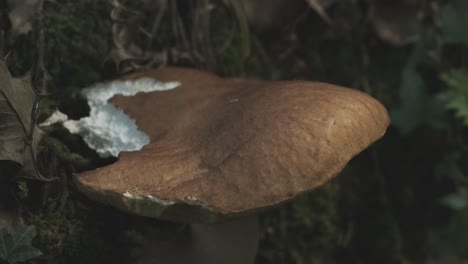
[17, 99]
[456, 98]
[16, 247]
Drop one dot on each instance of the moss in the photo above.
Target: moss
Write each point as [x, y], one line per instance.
[75, 233]
[78, 40]
[304, 231]
[61, 237]
[64, 154]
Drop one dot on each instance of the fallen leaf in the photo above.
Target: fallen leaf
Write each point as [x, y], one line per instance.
[395, 21]
[22, 13]
[17, 99]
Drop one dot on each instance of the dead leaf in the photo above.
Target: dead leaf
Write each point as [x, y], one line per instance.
[22, 13]
[17, 99]
[393, 21]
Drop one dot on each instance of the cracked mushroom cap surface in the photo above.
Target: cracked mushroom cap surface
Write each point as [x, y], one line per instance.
[225, 147]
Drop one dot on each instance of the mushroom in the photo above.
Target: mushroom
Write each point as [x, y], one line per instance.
[222, 149]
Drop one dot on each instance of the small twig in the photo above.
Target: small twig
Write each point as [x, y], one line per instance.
[206, 36]
[178, 27]
[228, 41]
[40, 77]
[40, 70]
[267, 61]
[157, 21]
[195, 28]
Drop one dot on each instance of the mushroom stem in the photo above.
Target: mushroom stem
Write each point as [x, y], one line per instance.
[233, 242]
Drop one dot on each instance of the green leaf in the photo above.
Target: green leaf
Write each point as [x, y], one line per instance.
[454, 25]
[417, 107]
[16, 247]
[456, 97]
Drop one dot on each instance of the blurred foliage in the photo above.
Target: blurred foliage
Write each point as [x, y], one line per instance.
[456, 97]
[417, 106]
[452, 96]
[453, 25]
[405, 200]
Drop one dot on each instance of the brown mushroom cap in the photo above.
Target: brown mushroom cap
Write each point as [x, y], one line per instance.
[223, 147]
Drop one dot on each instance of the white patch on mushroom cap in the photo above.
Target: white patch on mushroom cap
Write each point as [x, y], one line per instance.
[107, 129]
[56, 117]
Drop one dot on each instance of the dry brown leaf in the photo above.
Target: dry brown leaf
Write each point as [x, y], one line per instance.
[22, 13]
[393, 20]
[17, 99]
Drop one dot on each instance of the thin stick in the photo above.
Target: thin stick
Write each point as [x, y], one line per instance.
[40, 83]
[157, 21]
[39, 71]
